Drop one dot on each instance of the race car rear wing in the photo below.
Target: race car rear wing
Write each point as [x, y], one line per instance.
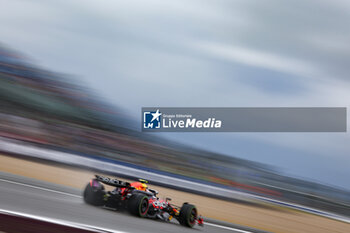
[113, 182]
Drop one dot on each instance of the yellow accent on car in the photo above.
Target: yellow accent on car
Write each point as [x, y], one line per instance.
[143, 181]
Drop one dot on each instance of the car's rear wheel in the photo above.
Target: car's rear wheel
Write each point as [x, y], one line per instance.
[188, 215]
[93, 193]
[138, 205]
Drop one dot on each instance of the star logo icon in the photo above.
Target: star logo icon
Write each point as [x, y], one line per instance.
[152, 119]
[156, 115]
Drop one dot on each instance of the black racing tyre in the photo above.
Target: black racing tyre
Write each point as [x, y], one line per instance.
[138, 205]
[93, 195]
[188, 215]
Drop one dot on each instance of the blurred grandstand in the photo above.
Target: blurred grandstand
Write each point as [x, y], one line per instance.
[49, 110]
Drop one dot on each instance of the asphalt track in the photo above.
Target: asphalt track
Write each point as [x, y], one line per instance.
[42, 199]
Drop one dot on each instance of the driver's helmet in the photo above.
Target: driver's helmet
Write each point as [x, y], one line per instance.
[142, 185]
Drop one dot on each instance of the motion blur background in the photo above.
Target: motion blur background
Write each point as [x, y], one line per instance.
[75, 74]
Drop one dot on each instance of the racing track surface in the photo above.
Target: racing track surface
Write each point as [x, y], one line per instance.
[43, 199]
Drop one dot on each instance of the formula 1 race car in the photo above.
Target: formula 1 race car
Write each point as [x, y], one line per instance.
[139, 200]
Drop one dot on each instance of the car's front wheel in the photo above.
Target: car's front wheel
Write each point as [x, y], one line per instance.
[188, 215]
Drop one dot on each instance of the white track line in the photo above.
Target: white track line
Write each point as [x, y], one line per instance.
[36, 187]
[60, 222]
[227, 228]
[77, 196]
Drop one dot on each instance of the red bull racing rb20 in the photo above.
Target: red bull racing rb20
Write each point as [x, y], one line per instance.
[139, 200]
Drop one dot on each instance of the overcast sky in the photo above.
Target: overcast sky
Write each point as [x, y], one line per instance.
[201, 53]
